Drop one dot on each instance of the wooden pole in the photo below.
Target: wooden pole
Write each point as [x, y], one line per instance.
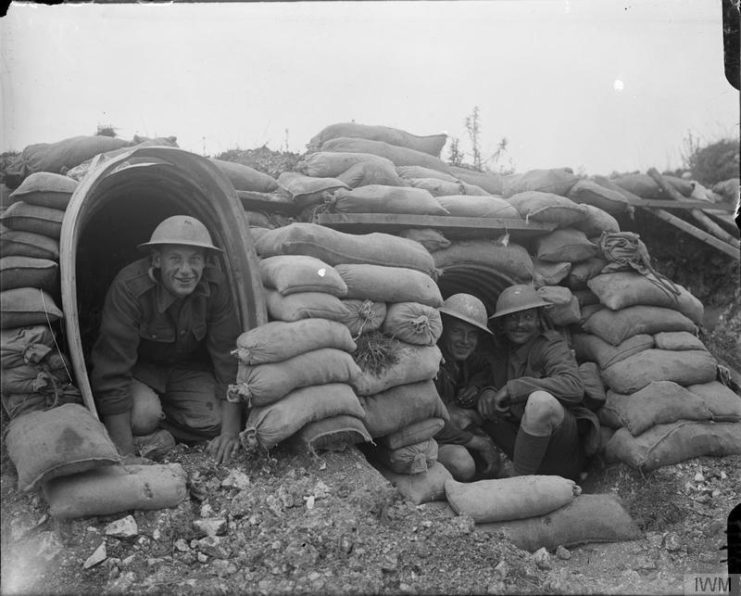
[709, 225]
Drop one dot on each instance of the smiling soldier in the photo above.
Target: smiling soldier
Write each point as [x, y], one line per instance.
[162, 361]
[534, 409]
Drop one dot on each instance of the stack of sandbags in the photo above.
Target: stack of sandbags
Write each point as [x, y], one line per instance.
[662, 390]
[297, 369]
[35, 375]
[541, 511]
[68, 454]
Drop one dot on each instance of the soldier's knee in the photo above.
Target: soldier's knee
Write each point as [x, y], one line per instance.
[458, 461]
[146, 412]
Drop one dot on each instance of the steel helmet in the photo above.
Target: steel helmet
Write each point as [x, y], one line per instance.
[466, 308]
[183, 230]
[517, 298]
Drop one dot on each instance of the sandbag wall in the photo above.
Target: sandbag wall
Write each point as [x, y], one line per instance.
[35, 373]
[379, 290]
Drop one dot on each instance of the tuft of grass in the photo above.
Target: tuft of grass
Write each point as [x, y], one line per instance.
[376, 352]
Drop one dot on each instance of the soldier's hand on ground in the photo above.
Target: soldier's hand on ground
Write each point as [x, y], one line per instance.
[224, 447]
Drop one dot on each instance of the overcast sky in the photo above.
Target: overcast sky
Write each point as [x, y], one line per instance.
[595, 85]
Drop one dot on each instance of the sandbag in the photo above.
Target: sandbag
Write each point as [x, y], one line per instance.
[595, 349]
[116, 489]
[506, 499]
[333, 434]
[57, 442]
[567, 244]
[365, 316]
[563, 307]
[306, 305]
[27, 306]
[413, 323]
[47, 377]
[330, 164]
[473, 190]
[377, 198]
[587, 519]
[335, 248]
[14, 243]
[269, 425]
[258, 219]
[549, 274]
[307, 190]
[436, 187]
[45, 189]
[414, 433]
[596, 222]
[244, 177]
[21, 272]
[264, 384]
[19, 404]
[389, 284]
[593, 194]
[594, 388]
[67, 153]
[412, 364]
[400, 156]
[664, 402]
[489, 181]
[646, 187]
[420, 488]
[582, 272]
[278, 340]
[431, 144]
[626, 288]
[431, 239]
[667, 444]
[23, 217]
[548, 208]
[678, 340]
[616, 326]
[398, 407]
[478, 206]
[25, 345]
[557, 181]
[687, 367]
[291, 274]
[410, 459]
[371, 172]
[413, 172]
[511, 260]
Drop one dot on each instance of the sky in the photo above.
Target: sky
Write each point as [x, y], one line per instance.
[598, 86]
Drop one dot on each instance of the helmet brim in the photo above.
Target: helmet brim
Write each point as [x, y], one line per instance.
[519, 308]
[465, 319]
[146, 245]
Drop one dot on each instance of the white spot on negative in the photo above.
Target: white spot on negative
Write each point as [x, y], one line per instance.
[618, 85]
[322, 272]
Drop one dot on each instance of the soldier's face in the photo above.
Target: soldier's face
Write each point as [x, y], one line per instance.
[460, 338]
[181, 268]
[521, 327]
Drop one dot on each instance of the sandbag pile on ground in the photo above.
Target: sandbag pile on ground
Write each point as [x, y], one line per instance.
[663, 397]
[296, 371]
[541, 511]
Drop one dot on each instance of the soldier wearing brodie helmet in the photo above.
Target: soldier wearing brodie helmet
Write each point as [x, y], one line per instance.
[462, 374]
[162, 361]
[533, 408]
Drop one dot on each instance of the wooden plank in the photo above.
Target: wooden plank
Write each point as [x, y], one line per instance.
[686, 204]
[397, 221]
[709, 224]
[706, 237]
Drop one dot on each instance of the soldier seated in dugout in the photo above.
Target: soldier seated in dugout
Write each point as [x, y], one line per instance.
[532, 408]
[463, 374]
[162, 362]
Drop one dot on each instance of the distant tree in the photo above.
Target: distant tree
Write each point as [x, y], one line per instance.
[473, 127]
[455, 155]
[105, 130]
[715, 162]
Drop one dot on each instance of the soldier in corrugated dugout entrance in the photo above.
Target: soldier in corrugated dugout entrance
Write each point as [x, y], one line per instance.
[533, 408]
[463, 374]
[162, 361]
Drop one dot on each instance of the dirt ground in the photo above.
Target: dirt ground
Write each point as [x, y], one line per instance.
[330, 524]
